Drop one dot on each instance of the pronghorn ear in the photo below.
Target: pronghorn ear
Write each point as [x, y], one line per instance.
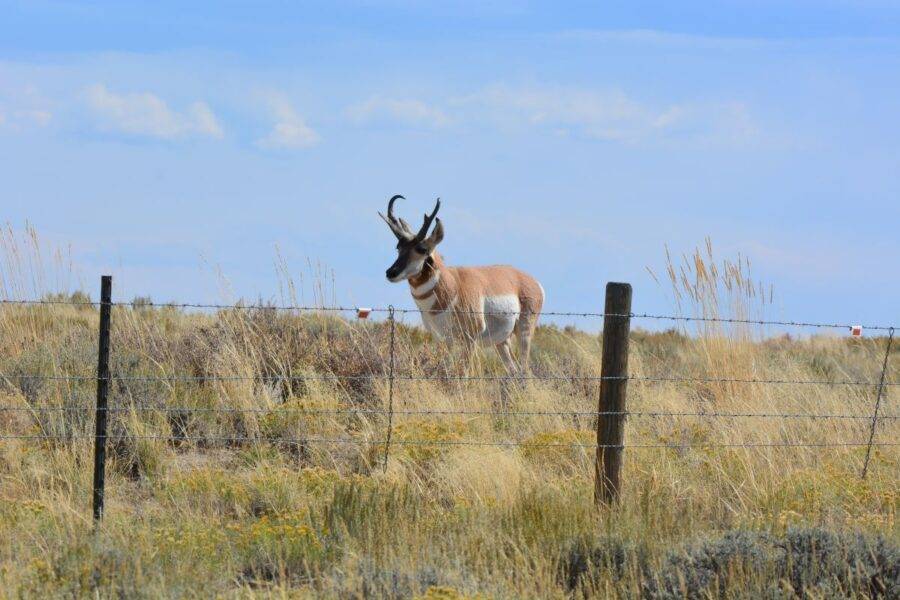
[437, 235]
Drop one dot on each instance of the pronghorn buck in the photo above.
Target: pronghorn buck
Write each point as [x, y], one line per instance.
[468, 304]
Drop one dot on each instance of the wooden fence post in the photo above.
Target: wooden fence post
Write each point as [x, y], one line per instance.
[102, 396]
[613, 387]
[884, 369]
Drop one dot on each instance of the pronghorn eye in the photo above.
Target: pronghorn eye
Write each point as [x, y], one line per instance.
[421, 249]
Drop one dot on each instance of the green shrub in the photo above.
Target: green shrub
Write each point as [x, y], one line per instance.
[803, 563]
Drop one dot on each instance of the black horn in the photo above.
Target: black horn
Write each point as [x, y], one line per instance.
[429, 219]
[398, 226]
[391, 206]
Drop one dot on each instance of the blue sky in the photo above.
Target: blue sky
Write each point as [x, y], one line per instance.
[170, 144]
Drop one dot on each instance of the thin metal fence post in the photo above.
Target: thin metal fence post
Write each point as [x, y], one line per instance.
[613, 388]
[884, 366]
[390, 427]
[102, 396]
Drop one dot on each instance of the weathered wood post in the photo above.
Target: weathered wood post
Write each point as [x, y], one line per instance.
[884, 368]
[102, 396]
[613, 387]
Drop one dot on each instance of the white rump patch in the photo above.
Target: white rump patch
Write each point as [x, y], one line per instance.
[501, 315]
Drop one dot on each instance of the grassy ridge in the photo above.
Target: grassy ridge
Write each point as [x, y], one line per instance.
[248, 516]
[239, 508]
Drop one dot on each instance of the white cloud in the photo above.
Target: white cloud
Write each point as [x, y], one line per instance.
[408, 111]
[665, 39]
[21, 119]
[290, 130]
[204, 120]
[145, 114]
[609, 115]
[23, 108]
[733, 120]
[39, 117]
[606, 114]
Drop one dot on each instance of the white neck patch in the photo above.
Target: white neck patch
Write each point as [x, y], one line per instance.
[426, 303]
[428, 285]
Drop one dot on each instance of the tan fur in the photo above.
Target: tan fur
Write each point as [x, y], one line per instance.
[468, 286]
[471, 304]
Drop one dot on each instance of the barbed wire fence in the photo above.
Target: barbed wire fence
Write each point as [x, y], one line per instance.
[610, 415]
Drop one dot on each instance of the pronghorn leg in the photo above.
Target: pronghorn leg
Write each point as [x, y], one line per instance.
[466, 366]
[470, 356]
[525, 331]
[512, 369]
[466, 331]
[506, 356]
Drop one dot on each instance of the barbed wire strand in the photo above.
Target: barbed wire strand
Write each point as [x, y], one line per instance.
[346, 309]
[49, 302]
[383, 376]
[440, 412]
[417, 442]
[50, 377]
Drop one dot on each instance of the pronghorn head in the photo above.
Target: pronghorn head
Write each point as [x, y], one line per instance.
[413, 249]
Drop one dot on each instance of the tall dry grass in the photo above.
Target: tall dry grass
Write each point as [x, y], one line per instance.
[237, 506]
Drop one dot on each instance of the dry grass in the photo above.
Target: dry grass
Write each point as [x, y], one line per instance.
[204, 517]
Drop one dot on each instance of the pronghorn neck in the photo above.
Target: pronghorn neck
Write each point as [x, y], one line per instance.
[429, 277]
[434, 279]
